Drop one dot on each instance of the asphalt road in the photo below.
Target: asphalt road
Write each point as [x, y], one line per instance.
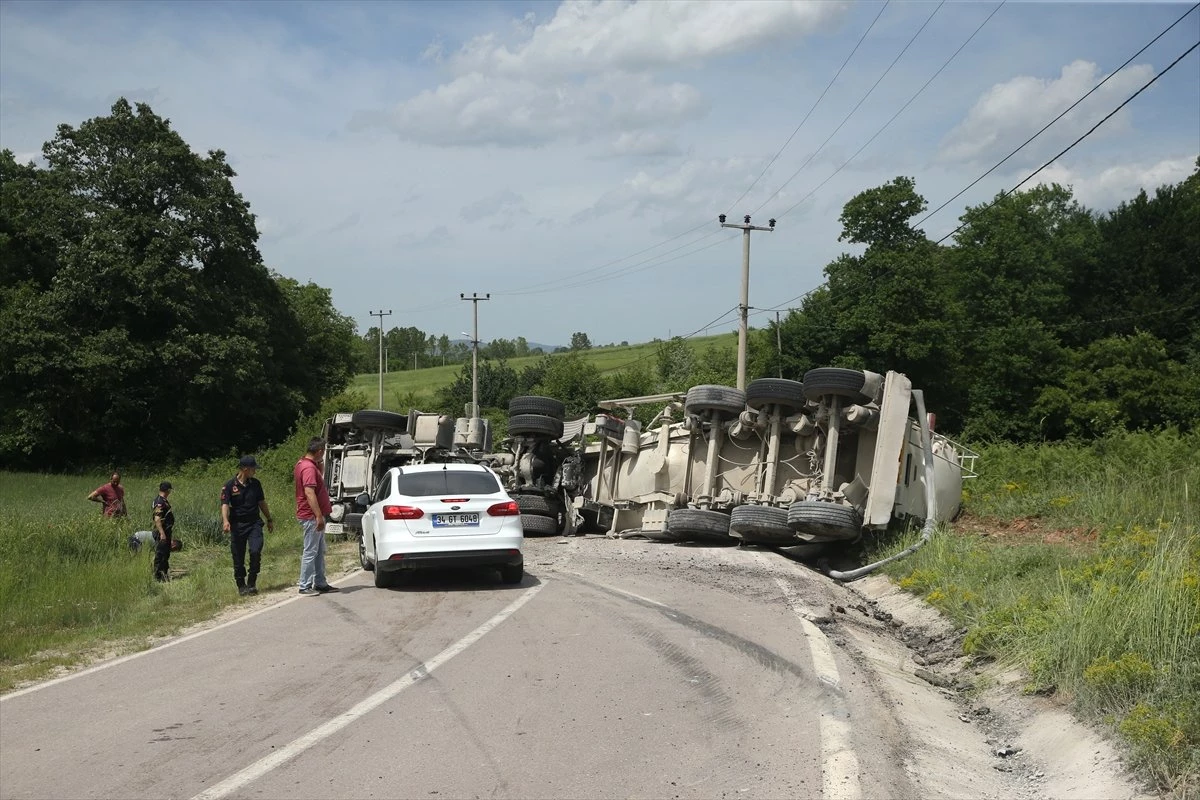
[616, 669]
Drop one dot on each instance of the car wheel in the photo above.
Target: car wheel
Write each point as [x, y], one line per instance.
[512, 573]
[367, 563]
[383, 579]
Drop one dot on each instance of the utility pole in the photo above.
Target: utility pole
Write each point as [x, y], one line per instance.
[475, 298]
[381, 314]
[386, 360]
[745, 304]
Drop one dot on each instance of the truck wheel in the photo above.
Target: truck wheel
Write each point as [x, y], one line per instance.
[535, 424]
[374, 419]
[532, 404]
[367, 563]
[512, 573]
[761, 525]
[825, 381]
[700, 525]
[829, 521]
[723, 400]
[535, 504]
[537, 525]
[768, 391]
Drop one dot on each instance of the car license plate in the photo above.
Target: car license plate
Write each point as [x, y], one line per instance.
[455, 520]
[334, 527]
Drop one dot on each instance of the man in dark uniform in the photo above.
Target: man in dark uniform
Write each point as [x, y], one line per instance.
[164, 525]
[241, 501]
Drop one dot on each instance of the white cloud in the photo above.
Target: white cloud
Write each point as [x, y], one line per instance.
[1107, 188]
[478, 109]
[585, 73]
[1010, 112]
[695, 188]
[644, 143]
[585, 36]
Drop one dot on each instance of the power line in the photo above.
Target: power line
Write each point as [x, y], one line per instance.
[811, 109]
[853, 110]
[1111, 75]
[899, 111]
[1090, 131]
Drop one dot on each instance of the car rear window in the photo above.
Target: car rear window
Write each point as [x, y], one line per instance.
[446, 482]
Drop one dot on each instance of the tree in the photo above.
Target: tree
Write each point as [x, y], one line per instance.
[880, 216]
[574, 381]
[676, 364]
[444, 347]
[580, 341]
[138, 314]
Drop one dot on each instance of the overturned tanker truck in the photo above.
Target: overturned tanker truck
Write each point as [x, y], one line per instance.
[804, 466]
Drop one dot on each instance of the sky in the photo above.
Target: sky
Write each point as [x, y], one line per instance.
[571, 159]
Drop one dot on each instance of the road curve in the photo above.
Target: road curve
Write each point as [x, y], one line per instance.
[616, 669]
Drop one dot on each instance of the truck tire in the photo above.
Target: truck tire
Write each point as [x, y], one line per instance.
[723, 400]
[374, 419]
[780, 391]
[829, 521]
[699, 525]
[537, 525]
[535, 504]
[535, 425]
[533, 404]
[761, 525]
[826, 381]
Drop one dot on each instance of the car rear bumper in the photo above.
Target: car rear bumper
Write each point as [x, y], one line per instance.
[453, 558]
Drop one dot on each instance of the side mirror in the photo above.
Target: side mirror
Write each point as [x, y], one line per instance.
[363, 500]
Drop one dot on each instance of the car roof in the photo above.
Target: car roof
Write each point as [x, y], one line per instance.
[450, 466]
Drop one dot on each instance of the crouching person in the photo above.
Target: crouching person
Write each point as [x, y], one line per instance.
[164, 525]
[241, 501]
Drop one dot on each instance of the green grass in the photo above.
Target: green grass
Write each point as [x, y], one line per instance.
[1081, 563]
[71, 588]
[418, 387]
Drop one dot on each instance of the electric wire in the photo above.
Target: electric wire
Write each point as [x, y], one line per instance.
[1045, 127]
[1071, 146]
[899, 111]
[846, 119]
[811, 109]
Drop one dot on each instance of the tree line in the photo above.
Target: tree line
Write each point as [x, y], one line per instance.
[140, 322]
[1042, 320]
[412, 348]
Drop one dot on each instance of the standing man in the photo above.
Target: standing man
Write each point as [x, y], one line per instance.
[242, 499]
[164, 524]
[312, 506]
[112, 497]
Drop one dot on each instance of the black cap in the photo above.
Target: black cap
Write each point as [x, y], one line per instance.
[248, 461]
[165, 486]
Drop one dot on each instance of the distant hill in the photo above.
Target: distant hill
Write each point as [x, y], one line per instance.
[545, 348]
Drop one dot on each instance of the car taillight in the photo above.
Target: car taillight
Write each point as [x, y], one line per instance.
[455, 499]
[509, 509]
[402, 512]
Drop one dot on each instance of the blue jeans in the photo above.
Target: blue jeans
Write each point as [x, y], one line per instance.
[312, 561]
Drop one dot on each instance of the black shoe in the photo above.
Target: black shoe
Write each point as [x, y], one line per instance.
[327, 588]
[251, 589]
[243, 590]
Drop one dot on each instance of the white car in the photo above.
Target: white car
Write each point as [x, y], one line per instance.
[440, 515]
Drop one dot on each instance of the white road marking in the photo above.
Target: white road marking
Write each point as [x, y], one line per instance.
[279, 756]
[121, 660]
[839, 771]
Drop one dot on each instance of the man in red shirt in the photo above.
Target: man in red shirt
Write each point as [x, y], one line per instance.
[112, 496]
[312, 507]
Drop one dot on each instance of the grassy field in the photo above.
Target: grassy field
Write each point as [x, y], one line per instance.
[417, 387]
[1081, 564]
[72, 589]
